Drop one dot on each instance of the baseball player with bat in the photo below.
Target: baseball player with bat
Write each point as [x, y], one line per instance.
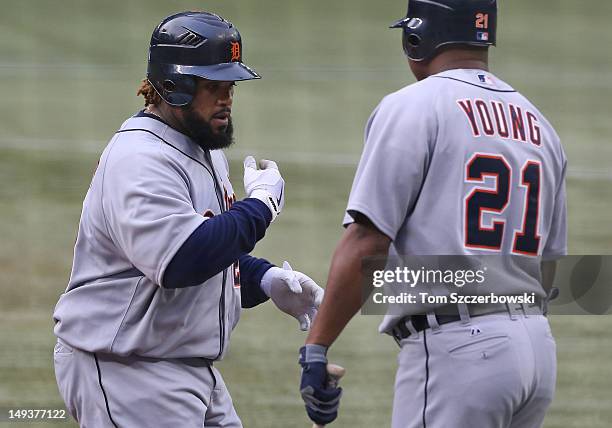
[161, 264]
[458, 163]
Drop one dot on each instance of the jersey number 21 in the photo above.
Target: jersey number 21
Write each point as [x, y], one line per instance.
[526, 241]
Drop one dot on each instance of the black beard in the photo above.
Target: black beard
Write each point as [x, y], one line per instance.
[200, 131]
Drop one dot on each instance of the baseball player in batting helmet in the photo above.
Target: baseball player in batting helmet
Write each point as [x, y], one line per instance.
[161, 265]
[461, 164]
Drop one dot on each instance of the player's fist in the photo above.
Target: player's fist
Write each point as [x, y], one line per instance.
[321, 398]
[265, 184]
[293, 292]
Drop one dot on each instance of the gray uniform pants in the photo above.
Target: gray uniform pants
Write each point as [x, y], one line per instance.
[105, 390]
[495, 372]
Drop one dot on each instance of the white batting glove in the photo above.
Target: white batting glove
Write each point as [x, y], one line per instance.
[265, 184]
[293, 293]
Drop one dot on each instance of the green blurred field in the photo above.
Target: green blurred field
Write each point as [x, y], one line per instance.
[68, 76]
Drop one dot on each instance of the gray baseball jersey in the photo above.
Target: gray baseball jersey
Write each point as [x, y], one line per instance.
[150, 191]
[461, 163]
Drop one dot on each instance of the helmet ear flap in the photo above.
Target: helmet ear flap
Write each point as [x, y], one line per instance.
[413, 40]
[413, 45]
[177, 90]
[168, 86]
[182, 89]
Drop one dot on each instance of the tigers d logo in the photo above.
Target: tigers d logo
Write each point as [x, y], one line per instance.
[235, 51]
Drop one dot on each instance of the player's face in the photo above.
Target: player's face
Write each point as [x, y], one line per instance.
[213, 103]
[207, 119]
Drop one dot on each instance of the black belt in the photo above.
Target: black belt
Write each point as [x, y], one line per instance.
[420, 323]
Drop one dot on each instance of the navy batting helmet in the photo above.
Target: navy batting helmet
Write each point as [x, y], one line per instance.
[187, 45]
[431, 24]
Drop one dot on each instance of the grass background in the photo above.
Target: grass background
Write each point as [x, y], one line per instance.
[69, 71]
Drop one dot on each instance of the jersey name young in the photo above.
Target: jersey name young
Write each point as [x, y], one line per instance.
[503, 120]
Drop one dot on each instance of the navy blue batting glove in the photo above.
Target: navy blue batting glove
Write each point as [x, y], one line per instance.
[321, 401]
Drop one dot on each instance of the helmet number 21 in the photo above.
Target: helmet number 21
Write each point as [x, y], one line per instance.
[481, 200]
[482, 20]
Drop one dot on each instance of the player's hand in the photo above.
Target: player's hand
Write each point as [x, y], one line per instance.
[321, 401]
[293, 293]
[265, 184]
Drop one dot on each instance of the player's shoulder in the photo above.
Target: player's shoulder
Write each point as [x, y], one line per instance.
[416, 93]
[139, 145]
[140, 133]
[131, 144]
[145, 135]
[547, 128]
[423, 94]
[407, 110]
[535, 109]
[406, 104]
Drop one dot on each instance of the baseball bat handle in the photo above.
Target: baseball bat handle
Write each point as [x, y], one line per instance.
[334, 374]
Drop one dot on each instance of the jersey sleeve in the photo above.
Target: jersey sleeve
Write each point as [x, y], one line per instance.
[393, 164]
[147, 207]
[556, 242]
[252, 269]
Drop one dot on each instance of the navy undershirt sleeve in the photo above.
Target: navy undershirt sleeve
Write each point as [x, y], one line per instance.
[252, 270]
[217, 243]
